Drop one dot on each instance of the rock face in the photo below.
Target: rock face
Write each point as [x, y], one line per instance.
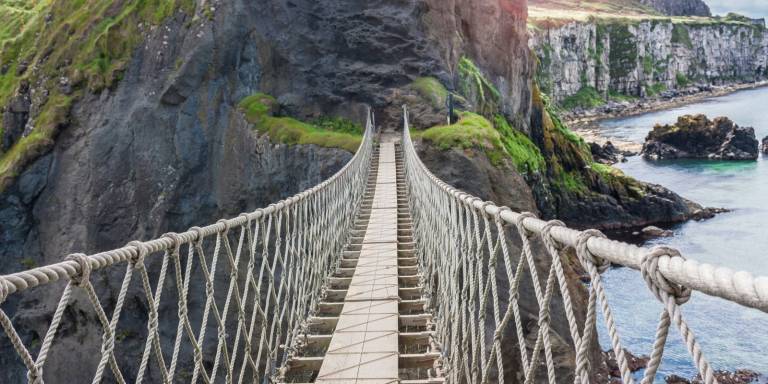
[697, 137]
[646, 58]
[764, 146]
[679, 7]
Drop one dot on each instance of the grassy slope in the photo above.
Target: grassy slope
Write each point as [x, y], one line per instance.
[87, 41]
[548, 13]
[259, 110]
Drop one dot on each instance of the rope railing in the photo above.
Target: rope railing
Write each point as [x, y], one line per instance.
[253, 279]
[464, 247]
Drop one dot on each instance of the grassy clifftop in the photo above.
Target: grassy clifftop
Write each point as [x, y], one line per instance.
[52, 51]
[329, 132]
[543, 14]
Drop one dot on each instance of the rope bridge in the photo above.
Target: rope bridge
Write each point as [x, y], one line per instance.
[250, 295]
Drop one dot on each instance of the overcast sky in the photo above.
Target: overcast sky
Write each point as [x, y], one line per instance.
[752, 8]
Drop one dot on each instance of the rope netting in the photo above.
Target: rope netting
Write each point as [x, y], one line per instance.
[464, 247]
[253, 279]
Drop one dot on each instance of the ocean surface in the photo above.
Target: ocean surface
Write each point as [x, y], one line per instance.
[731, 336]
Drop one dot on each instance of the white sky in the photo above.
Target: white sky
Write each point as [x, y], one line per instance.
[751, 8]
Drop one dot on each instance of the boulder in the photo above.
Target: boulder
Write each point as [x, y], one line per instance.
[652, 231]
[607, 153]
[697, 137]
[764, 147]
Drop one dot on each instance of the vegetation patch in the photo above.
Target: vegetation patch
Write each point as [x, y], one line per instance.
[524, 153]
[88, 43]
[587, 97]
[681, 36]
[623, 55]
[682, 80]
[431, 89]
[329, 132]
[655, 89]
[475, 87]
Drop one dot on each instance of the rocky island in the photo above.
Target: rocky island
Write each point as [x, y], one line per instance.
[697, 137]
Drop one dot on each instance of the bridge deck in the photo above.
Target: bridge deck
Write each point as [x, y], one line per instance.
[364, 346]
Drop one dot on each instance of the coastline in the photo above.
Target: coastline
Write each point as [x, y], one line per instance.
[585, 123]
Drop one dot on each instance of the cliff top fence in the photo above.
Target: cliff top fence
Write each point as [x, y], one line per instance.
[240, 294]
[241, 289]
[464, 244]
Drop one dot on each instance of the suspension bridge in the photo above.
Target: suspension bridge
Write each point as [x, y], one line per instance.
[381, 274]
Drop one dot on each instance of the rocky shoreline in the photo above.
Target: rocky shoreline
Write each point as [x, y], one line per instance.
[585, 122]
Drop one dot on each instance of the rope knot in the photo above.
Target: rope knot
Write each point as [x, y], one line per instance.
[521, 226]
[657, 282]
[484, 206]
[34, 376]
[585, 255]
[546, 232]
[141, 253]
[176, 239]
[85, 268]
[200, 235]
[246, 217]
[225, 223]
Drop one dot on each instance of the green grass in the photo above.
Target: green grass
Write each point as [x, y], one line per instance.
[87, 41]
[682, 80]
[328, 132]
[655, 89]
[431, 89]
[586, 97]
[524, 153]
[620, 97]
[498, 140]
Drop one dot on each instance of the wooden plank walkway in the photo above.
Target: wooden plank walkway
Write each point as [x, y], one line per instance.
[364, 346]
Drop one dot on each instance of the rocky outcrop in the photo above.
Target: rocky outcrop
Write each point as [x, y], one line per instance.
[679, 7]
[608, 153]
[764, 146]
[740, 376]
[583, 64]
[697, 137]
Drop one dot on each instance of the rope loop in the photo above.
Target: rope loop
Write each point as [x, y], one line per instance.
[141, 253]
[521, 226]
[247, 217]
[200, 235]
[546, 232]
[3, 290]
[485, 205]
[585, 255]
[85, 268]
[657, 282]
[224, 222]
[176, 243]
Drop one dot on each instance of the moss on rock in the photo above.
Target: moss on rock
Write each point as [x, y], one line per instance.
[84, 43]
[432, 90]
[330, 132]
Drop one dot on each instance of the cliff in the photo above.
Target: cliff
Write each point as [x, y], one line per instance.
[583, 63]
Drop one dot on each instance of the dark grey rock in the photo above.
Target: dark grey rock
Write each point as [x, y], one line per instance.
[696, 137]
[764, 146]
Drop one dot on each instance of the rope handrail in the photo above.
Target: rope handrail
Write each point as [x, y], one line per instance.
[261, 270]
[463, 243]
[19, 281]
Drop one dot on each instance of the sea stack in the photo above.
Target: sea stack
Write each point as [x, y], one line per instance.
[697, 137]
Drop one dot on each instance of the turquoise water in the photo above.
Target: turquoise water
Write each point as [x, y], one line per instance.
[731, 336]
